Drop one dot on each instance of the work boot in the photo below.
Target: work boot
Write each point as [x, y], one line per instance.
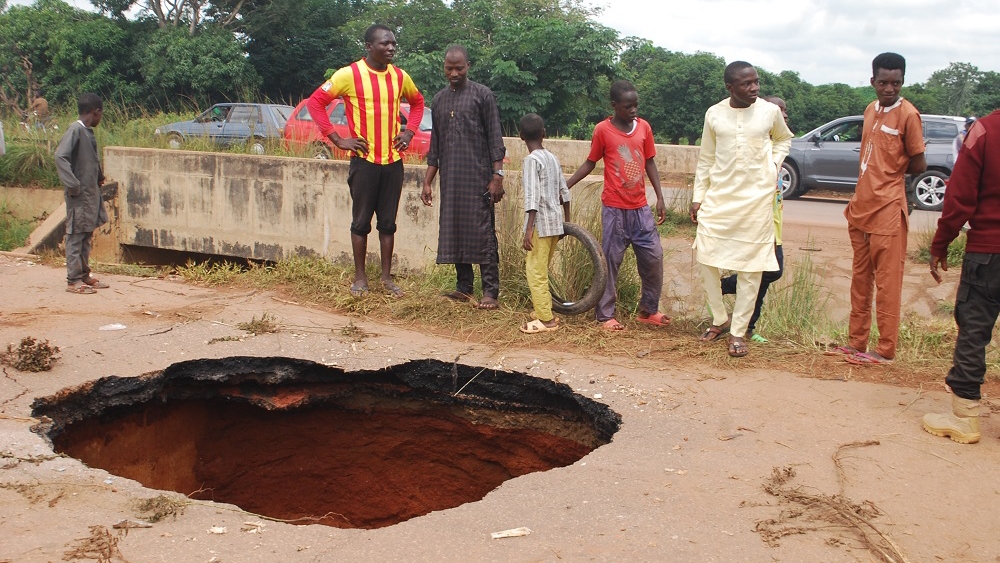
[961, 425]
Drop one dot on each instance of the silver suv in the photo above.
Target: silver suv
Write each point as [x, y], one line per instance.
[827, 158]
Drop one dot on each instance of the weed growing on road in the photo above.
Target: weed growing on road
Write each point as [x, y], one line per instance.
[30, 355]
[795, 308]
[956, 250]
[265, 324]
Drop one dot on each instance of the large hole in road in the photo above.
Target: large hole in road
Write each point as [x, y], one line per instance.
[299, 441]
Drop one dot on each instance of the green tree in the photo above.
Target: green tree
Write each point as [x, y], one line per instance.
[957, 85]
[987, 97]
[291, 43]
[676, 90]
[200, 68]
[925, 99]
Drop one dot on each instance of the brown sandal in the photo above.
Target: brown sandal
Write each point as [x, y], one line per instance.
[80, 287]
[95, 283]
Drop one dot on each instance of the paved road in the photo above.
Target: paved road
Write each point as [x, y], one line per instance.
[829, 212]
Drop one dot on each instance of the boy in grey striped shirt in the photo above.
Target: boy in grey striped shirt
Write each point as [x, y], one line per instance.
[545, 191]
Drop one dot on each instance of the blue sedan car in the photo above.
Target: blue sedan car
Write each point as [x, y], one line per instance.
[253, 125]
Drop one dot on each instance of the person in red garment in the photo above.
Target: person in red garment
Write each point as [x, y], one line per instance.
[973, 197]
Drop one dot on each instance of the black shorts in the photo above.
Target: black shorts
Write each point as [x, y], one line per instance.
[375, 190]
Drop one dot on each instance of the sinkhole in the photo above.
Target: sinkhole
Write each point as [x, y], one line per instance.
[308, 443]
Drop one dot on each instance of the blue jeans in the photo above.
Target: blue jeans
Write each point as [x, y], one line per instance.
[635, 227]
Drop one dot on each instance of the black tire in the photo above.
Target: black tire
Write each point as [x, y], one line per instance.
[256, 145]
[175, 140]
[597, 282]
[788, 175]
[927, 190]
[320, 151]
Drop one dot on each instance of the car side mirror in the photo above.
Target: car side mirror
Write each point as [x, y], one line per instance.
[816, 139]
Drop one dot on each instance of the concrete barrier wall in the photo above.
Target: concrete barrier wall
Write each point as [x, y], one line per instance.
[670, 159]
[29, 203]
[270, 208]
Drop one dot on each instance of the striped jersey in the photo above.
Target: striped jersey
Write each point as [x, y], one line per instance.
[371, 100]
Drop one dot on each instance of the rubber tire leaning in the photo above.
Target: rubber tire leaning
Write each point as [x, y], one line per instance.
[597, 283]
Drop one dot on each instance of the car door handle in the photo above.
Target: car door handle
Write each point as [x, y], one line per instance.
[856, 149]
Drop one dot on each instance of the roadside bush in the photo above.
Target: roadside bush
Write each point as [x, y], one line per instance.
[13, 231]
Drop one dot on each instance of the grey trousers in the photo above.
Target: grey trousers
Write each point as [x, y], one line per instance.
[78, 247]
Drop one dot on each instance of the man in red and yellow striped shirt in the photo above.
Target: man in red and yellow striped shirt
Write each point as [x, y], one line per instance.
[372, 89]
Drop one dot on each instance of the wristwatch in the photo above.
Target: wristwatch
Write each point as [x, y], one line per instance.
[498, 173]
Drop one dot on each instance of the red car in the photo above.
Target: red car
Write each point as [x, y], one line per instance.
[302, 134]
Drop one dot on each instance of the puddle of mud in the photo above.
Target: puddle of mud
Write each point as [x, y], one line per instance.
[303, 442]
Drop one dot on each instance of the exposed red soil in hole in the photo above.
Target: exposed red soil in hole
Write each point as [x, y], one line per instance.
[298, 441]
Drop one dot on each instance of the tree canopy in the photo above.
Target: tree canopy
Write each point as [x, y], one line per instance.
[551, 57]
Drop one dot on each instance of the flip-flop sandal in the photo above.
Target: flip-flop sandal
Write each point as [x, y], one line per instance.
[80, 288]
[612, 325]
[758, 339]
[488, 305]
[738, 349]
[656, 319]
[536, 326]
[358, 290]
[95, 283]
[863, 359]
[714, 332]
[458, 296]
[840, 351]
[392, 288]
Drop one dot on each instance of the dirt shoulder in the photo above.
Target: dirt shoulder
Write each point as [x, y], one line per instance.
[681, 481]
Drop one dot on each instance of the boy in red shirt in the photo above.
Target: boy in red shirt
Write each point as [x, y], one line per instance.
[626, 144]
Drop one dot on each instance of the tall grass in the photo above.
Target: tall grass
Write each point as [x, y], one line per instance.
[796, 307]
[28, 163]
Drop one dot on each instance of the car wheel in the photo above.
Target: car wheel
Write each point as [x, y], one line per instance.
[788, 177]
[320, 151]
[928, 190]
[256, 146]
[175, 141]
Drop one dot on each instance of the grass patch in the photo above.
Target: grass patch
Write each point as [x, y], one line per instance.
[796, 306]
[956, 250]
[265, 324]
[14, 232]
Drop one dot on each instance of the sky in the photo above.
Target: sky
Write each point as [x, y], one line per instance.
[825, 41]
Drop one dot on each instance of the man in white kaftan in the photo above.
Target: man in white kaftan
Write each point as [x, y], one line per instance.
[742, 146]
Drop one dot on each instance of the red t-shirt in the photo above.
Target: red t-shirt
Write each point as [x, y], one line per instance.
[625, 156]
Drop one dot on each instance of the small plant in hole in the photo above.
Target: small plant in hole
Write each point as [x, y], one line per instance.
[30, 355]
[265, 324]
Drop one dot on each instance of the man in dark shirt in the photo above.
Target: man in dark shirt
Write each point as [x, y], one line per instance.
[973, 197]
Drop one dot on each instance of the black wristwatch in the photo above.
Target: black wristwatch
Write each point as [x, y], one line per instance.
[498, 173]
